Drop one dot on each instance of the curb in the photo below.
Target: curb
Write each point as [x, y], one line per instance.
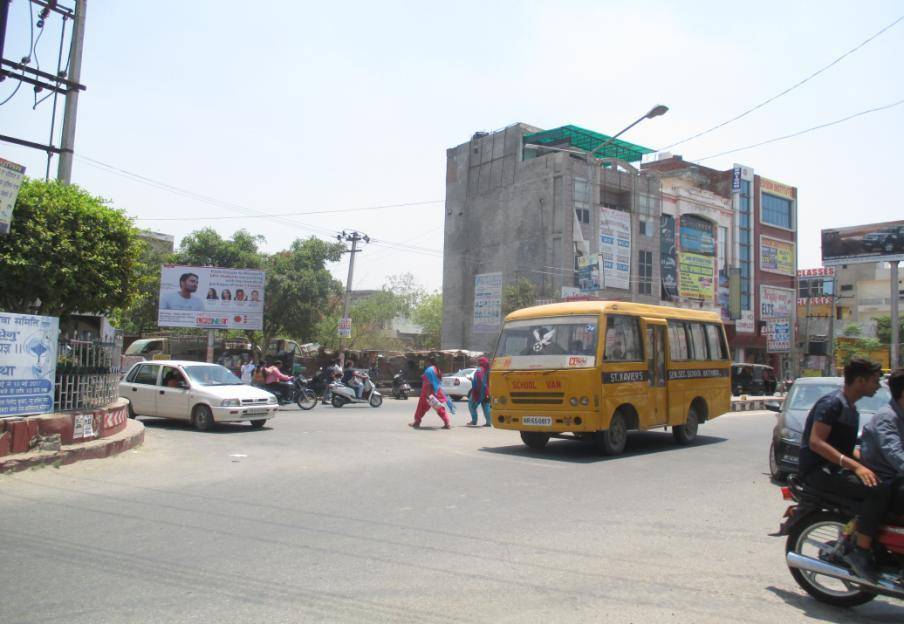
[131, 436]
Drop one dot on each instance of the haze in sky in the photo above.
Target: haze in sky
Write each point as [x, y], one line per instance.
[301, 107]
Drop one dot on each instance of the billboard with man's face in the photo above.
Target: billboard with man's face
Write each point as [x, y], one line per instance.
[876, 242]
[211, 298]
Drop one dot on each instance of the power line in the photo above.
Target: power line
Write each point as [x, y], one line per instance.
[295, 214]
[788, 90]
[794, 134]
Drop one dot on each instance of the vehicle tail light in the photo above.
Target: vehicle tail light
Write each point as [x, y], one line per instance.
[786, 493]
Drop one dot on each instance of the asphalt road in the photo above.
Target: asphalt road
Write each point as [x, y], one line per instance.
[347, 515]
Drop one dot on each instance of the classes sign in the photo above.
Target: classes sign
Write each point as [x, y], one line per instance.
[876, 242]
[211, 298]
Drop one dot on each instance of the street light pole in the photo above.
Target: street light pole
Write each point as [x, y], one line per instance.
[352, 237]
[656, 111]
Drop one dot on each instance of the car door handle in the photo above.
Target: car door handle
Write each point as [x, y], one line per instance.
[161, 392]
[134, 389]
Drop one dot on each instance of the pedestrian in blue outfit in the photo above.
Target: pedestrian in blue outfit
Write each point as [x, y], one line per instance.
[480, 392]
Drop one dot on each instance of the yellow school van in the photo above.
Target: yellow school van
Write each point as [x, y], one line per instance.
[598, 369]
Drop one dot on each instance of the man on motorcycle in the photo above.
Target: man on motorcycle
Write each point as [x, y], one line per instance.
[882, 441]
[826, 461]
[277, 382]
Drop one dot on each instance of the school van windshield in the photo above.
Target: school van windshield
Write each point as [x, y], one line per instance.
[544, 343]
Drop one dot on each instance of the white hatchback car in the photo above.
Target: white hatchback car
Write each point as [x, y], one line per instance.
[458, 385]
[201, 393]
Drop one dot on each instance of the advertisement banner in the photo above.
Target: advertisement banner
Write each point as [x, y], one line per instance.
[776, 256]
[776, 188]
[876, 242]
[345, 327]
[697, 235]
[695, 276]
[211, 298]
[668, 263]
[589, 273]
[736, 180]
[28, 357]
[817, 272]
[615, 248]
[745, 324]
[776, 303]
[487, 302]
[778, 336]
[11, 176]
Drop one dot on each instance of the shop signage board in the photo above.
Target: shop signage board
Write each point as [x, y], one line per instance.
[695, 276]
[615, 248]
[11, 176]
[776, 256]
[487, 302]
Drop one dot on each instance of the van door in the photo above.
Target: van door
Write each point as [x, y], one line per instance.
[654, 339]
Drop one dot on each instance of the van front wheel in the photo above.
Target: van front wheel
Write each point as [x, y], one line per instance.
[612, 441]
[535, 440]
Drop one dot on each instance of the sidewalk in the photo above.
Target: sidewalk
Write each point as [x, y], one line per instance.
[131, 436]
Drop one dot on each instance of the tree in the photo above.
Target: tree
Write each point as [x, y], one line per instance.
[852, 345]
[141, 314]
[406, 288]
[883, 329]
[371, 318]
[67, 251]
[299, 289]
[207, 248]
[429, 314]
[521, 294]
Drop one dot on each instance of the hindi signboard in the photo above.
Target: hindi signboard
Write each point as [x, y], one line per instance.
[487, 302]
[876, 242]
[695, 276]
[778, 336]
[28, 356]
[345, 327]
[776, 256]
[776, 303]
[211, 298]
[11, 176]
[615, 248]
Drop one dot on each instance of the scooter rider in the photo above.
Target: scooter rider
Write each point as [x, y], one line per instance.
[826, 461]
[353, 379]
[882, 442]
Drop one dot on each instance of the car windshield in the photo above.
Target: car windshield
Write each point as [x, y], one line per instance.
[803, 396]
[211, 376]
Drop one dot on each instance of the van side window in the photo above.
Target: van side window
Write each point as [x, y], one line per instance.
[698, 341]
[717, 348]
[623, 342]
[678, 348]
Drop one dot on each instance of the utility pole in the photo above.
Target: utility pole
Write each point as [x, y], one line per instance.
[67, 142]
[830, 365]
[895, 329]
[345, 327]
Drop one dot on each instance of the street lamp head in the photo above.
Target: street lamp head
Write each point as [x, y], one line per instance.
[657, 110]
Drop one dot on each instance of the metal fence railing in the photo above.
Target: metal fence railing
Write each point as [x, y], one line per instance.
[87, 374]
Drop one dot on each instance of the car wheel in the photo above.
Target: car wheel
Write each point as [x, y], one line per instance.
[202, 418]
[774, 468]
[259, 423]
[613, 440]
[535, 440]
[687, 433]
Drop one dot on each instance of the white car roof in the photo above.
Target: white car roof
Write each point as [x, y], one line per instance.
[179, 363]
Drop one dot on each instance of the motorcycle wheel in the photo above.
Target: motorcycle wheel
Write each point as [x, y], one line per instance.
[338, 401]
[306, 399]
[816, 537]
[375, 400]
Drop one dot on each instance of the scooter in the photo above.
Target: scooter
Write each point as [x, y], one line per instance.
[400, 387]
[343, 394]
[819, 528]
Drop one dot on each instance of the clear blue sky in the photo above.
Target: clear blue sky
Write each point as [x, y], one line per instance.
[296, 106]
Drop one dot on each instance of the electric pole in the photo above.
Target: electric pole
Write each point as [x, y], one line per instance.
[345, 325]
[67, 140]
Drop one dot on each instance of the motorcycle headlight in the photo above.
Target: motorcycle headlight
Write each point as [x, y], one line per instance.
[790, 436]
[230, 403]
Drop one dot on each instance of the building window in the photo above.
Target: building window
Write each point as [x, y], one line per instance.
[776, 211]
[646, 227]
[645, 273]
[583, 215]
[847, 287]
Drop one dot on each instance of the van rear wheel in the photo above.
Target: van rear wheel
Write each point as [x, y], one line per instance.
[612, 441]
[535, 440]
[687, 433]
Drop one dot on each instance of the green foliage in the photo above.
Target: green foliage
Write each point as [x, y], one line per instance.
[407, 290]
[371, 323]
[207, 248]
[67, 250]
[299, 289]
[428, 313]
[851, 345]
[883, 329]
[141, 314]
[521, 294]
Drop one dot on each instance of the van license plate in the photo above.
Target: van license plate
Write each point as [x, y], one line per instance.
[537, 420]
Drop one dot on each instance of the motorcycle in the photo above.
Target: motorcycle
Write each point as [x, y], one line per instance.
[400, 387]
[300, 394]
[820, 528]
[342, 394]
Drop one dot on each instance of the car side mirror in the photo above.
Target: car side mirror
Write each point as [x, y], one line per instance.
[773, 406]
[181, 384]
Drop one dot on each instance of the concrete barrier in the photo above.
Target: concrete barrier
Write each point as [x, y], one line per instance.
[747, 403]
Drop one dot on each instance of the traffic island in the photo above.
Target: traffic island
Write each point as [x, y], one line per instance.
[64, 438]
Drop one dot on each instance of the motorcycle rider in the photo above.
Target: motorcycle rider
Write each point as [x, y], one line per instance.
[882, 442]
[826, 461]
[277, 382]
